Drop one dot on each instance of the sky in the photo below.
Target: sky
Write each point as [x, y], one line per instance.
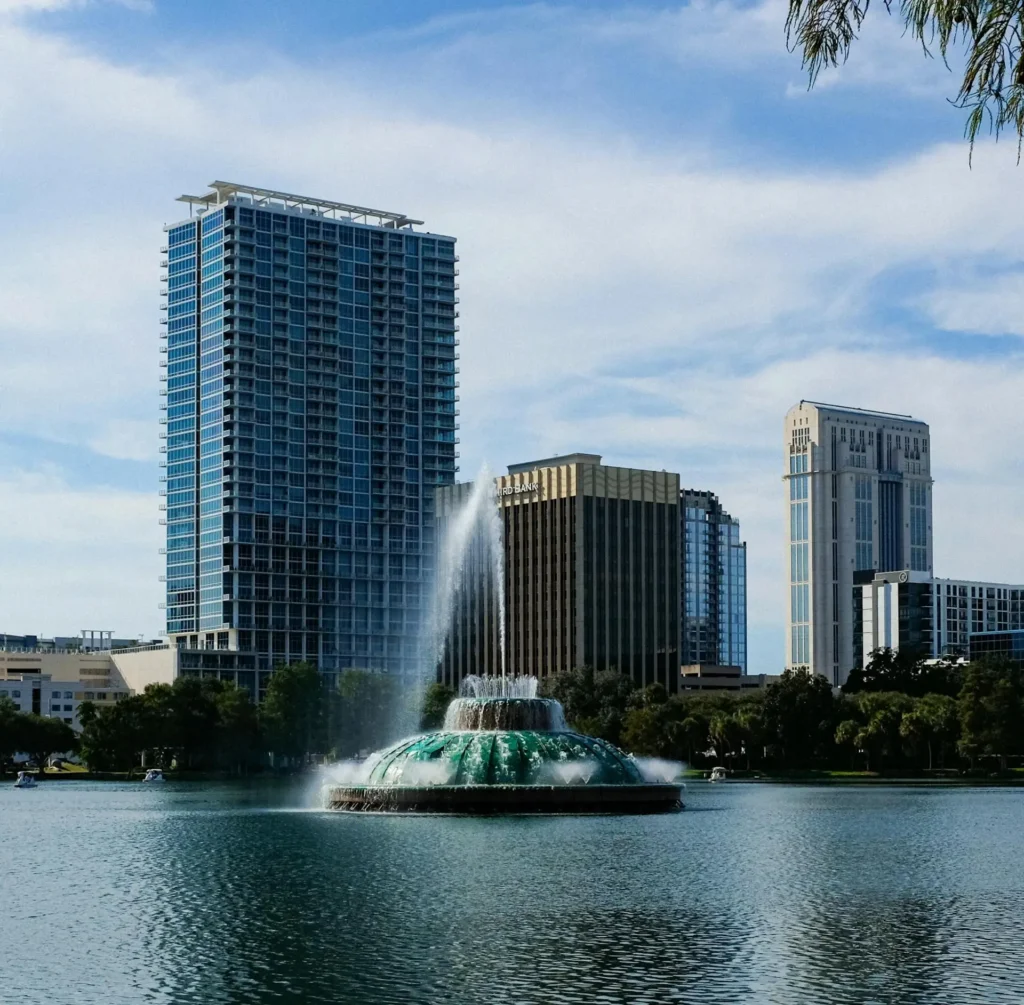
[666, 241]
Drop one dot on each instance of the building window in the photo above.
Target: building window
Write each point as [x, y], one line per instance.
[863, 523]
[919, 526]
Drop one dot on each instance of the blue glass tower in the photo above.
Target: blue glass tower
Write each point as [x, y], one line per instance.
[309, 414]
[713, 618]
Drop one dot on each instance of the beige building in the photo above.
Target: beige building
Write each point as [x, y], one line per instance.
[591, 570]
[54, 682]
[707, 677]
[859, 499]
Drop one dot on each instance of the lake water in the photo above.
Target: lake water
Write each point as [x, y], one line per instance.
[205, 894]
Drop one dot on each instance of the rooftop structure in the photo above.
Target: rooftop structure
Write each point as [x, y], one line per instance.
[851, 410]
[224, 192]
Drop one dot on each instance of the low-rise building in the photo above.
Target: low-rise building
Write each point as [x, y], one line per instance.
[937, 617]
[53, 682]
[711, 677]
[1007, 645]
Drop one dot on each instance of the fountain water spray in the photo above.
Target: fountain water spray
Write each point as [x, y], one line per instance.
[476, 521]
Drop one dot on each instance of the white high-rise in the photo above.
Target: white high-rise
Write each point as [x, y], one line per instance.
[858, 489]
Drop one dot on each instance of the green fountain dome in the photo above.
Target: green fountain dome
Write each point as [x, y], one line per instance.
[503, 750]
[503, 757]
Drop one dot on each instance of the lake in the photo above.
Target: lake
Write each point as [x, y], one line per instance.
[209, 893]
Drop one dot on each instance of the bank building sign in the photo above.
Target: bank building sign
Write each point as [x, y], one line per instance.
[515, 490]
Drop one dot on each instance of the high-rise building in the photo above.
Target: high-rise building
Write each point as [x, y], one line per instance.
[591, 568]
[713, 617]
[309, 414]
[859, 498]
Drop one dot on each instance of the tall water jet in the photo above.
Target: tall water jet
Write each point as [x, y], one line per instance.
[496, 543]
[475, 524]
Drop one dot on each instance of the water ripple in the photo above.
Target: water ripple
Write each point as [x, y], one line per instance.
[228, 895]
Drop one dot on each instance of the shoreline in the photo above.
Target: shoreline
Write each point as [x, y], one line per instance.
[848, 778]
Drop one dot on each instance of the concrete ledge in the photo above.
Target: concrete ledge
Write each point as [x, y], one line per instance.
[506, 799]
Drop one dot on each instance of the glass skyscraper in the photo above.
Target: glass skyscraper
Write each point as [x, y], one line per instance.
[713, 619]
[309, 413]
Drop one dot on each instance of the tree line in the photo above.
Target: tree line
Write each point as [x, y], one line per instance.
[206, 724]
[900, 713]
[35, 735]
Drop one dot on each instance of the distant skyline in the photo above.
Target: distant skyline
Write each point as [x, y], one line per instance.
[666, 240]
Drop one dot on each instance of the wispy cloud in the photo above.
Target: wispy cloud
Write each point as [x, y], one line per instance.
[657, 301]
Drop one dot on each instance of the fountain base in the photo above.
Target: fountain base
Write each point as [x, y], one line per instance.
[496, 800]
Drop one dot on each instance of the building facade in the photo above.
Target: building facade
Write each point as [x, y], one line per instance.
[937, 617]
[309, 413]
[859, 499]
[591, 572]
[997, 646]
[53, 682]
[713, 615]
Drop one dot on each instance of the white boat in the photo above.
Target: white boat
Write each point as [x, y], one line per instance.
[154, 775]
[717, 774]
[25, 781]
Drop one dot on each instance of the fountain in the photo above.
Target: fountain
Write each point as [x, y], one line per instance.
[503, 750]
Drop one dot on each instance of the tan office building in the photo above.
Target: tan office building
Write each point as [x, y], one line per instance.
[591, 571]
[859, 499]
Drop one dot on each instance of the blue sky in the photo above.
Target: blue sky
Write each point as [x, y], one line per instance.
[666, 241]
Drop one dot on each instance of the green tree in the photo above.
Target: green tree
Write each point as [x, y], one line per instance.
[113, 737]
[646, 726]
[294, 715]
[1003, 712]
[9, 715]
[882, 714]
[595, 701]
[990, 32]
[905, 671]
[371, 708]
[726, 733]
[40, 736]
[931, 725]
[694, 735]
[436, 700]
[643, 731]
[990, 711]
[238, 733]
[848, 735]
[750, 724]
[799, 712]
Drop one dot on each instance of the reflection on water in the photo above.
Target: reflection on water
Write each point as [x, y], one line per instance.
[221, 894]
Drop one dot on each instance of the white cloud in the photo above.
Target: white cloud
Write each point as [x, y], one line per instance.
[76, 558]
[985, 306]
[590, 262]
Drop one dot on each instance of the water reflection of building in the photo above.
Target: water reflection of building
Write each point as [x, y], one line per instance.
[713, 618]
[594, 563]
